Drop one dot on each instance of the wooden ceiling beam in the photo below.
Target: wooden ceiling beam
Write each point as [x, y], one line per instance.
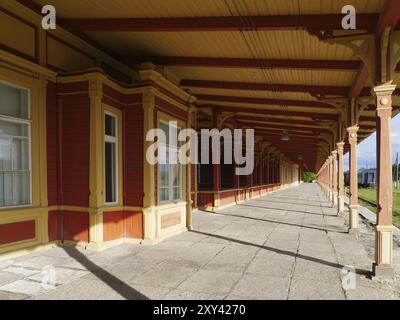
[251, 86]
[264, 101]
[269, 112]
[283, 127]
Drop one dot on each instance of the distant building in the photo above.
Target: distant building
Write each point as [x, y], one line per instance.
[366, 177]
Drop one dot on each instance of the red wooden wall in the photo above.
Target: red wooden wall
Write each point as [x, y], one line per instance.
[122, 224]
[17, 231]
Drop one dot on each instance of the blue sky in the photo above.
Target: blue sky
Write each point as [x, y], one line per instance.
[366, 151]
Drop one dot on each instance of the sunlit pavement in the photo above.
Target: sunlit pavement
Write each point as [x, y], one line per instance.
[285, 245]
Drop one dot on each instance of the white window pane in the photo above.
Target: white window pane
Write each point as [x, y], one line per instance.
[110, 172]
[176, 193]
[13, 102]
[5, 154]
[15, 175]
[20, 154]
[164, 175]
[7, 189]
[165, 127]
[174, 175]
[8, 128]
[21, 188]
[164, 194]
[110, 126]
[173, 156]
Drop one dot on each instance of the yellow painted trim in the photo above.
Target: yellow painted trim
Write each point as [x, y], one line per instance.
[118, 114]
[38, 92]
[39, 215]
[96, 144]
[161, 116]
[36, 18]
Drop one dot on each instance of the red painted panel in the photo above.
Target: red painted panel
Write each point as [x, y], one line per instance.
[205, 199]
[17, 231]
[75, 226]
[133, 224]
[68, 225]
[226, 198]
[170, 109]
[120, 224]
[113, 226]
[133, 154]
[52, 145]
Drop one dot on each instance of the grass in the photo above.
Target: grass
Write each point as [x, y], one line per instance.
[369, 194]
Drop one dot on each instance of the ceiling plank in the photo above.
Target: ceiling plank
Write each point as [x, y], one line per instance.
[365, 21]
[245, 63]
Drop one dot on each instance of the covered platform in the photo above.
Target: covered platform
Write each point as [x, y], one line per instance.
[78, 101]
[286, 245]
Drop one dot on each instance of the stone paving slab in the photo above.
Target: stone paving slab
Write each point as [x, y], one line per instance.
[289, 244]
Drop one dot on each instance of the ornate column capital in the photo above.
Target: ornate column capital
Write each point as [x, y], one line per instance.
[383, 94]
[384, 89]
[334, 154]
[353, 133]
[340, 146]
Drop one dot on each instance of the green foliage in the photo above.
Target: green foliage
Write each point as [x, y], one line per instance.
[309, 177]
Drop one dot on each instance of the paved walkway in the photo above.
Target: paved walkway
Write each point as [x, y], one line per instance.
[286, 245]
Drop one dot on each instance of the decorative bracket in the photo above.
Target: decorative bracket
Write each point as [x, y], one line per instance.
[363, 46]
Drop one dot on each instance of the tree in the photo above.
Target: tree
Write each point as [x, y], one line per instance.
[309, 177]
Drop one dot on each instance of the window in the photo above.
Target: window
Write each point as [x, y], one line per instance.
[110, 158]
[15, 153]
[170, 174]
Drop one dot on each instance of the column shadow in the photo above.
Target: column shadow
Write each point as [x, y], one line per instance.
[280, 222]
[285, 252]
[288, 210]
[109, 279]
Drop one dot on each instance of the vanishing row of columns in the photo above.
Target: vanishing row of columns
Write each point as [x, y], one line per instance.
[331, 178]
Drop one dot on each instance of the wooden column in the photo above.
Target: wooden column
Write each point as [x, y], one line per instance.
[353, 221]
[216, 183]
[149, 199]
[340, 175]
[383, 265]
[330, 178]
[335, 180]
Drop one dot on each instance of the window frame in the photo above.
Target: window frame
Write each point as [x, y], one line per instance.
[27, 122]
[180, 170]
[115, 141]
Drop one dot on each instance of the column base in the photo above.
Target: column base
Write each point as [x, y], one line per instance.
[383, 266]
[335, 199]
[340, 205]
[353, 218]
[354, 231]
[380, 272]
